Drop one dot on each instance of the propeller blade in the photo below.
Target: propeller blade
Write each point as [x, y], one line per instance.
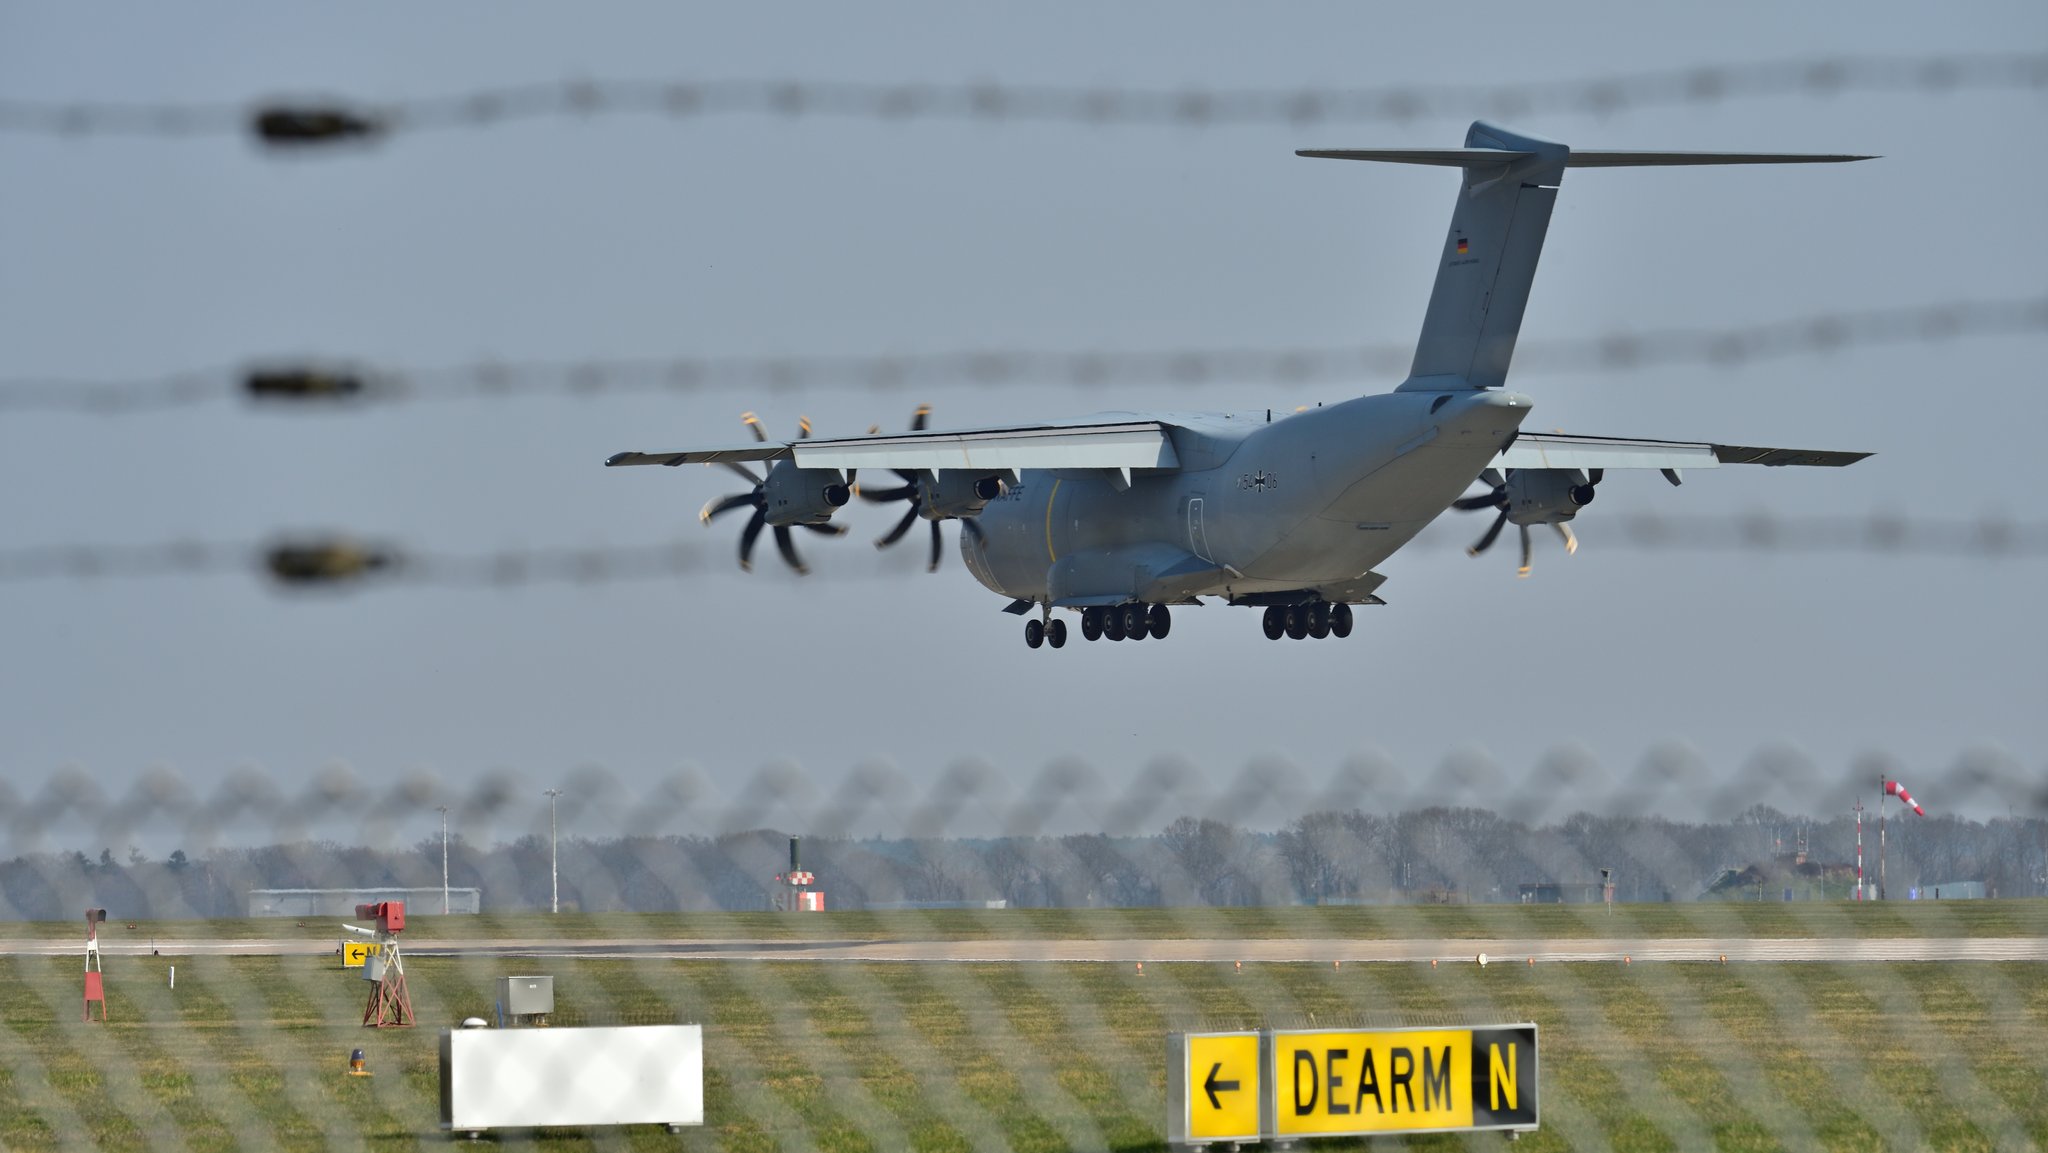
[748, 536]
[1468, 503]
[717, 508]
[1492, 533]
[1524, 570]
[908, 476]
[803, 428]
[744, 471]
[1571, 543]
[828, 529]
[938, 548]
[1593, 475]
[920, 418]
[902, 526]
[1492, 478]
[885, 495]
[753, 423]
[787, 547]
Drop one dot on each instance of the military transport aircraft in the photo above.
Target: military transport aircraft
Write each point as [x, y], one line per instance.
[1118, 516]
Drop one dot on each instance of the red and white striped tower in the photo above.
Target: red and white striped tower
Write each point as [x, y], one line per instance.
[1880, 836]
[95, 978]
[1859, 848]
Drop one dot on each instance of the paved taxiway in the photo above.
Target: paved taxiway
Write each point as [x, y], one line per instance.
[1322, 950]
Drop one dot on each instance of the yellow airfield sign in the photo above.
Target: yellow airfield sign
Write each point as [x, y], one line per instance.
[355, 953]
[1219, 1086]
[1331, 1083]
[1280, 1084]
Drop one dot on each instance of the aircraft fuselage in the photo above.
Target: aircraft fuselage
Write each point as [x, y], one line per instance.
[1263, 505]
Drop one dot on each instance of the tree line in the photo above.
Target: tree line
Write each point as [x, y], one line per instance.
[1466, 855]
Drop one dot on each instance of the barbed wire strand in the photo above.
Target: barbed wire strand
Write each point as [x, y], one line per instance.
[301, 123]
[344, 561]
[280, 385]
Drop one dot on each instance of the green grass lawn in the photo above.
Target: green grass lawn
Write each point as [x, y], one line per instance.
[250, 1053]
[2004, 918]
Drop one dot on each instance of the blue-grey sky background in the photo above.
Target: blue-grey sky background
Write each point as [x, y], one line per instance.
[636, 236]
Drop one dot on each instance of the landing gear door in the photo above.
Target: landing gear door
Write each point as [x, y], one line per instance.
[1198, 542]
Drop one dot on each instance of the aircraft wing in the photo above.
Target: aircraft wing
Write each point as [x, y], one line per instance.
[1564, 450]
[1121, 444]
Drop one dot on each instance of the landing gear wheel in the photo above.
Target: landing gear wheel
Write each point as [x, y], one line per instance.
[1275, 623]
[1034, 633]
[1162, 621]
[1340, 620]
[1056, 634]
[1112, 623]
[1136, 621]
[1091, 624]
[1297, 621]
[1319, 620]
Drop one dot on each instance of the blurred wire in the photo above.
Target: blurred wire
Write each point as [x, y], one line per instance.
[329, 386]
[339, 560]
[301, 124]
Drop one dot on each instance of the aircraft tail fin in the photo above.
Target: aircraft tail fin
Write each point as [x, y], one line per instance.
[1489, 258]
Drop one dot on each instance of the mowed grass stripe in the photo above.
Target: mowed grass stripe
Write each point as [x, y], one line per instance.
[1687, 1069]
[808, 1003]
[194, 1108]
[91, 1070]
[1691, 1032]
[212, 1000]
[986, 1073]
[1778, 1032]
[1578, 1051]
[43, 1117]
[1089, 1067]
[230, 1121]
[1896, 1040]
[1989, 1042]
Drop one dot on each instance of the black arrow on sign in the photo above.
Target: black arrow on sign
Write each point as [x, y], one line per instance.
[1212, 1086]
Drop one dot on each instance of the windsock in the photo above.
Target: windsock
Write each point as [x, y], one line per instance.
[1895, 789]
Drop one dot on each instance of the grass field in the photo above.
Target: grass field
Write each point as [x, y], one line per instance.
[2007, 918]
[249, 1053]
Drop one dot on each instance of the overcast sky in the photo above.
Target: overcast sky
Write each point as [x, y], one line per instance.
[632, 236]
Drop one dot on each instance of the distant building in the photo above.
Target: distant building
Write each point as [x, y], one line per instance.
[1562, 893]
[1954, 891]
[343, 902]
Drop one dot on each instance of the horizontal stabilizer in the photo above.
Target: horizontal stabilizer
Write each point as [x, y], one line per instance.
[1476, 157]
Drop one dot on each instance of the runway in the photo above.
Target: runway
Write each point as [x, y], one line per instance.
[1199, 950]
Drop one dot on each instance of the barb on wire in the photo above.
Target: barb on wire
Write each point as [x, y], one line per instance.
[300, 124]
[317, 560]
[329, 386]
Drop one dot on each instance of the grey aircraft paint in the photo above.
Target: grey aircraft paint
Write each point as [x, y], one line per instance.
[1292, 511]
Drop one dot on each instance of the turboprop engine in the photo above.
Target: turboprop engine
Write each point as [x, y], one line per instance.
[1546, 495]
[788, 496]
[1527, 496]
[960, 492]
[795, 495]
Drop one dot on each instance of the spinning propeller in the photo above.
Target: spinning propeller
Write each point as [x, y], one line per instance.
[1501, 499]
[913, 491]
[757, 500]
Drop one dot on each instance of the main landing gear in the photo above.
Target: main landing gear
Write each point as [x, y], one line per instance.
[1130, 622]
[1317, 619]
